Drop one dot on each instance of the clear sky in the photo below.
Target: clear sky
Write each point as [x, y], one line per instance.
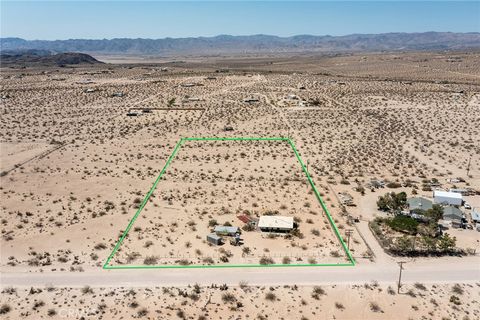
[160, 19]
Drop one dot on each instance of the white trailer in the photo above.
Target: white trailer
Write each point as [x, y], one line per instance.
[449, 198]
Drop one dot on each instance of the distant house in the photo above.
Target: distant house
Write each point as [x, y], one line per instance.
[475, 215]
[419, 203]
[454, 215]
[374, 183]
[346, 199]
[447, 198]
[275, 224]
[226, 230]
[250, 100]
[463, 192]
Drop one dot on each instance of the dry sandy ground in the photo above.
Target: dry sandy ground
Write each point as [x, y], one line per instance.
[74, 164]
[356, 302]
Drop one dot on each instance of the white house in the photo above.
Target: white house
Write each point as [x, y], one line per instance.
[275, 223]
[445, 197]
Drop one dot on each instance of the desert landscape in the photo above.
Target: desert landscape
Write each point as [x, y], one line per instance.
[82, 145]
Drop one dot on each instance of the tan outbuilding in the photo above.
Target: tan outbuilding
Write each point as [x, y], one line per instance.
[275, 224]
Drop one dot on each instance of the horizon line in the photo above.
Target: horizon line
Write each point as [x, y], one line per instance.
[241, 35]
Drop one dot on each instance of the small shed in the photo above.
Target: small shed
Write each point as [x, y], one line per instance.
[276, 223]
[215, 239]
[475, 215]
[226, 230]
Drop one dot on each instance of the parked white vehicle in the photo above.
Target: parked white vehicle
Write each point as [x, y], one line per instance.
[467, 206]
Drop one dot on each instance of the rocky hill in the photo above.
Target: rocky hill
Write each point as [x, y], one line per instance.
[44, 58]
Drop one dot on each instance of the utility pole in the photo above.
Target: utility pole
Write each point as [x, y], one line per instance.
[400, 275]
[348, 232]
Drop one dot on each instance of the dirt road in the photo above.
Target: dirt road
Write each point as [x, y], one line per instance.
[448, 270]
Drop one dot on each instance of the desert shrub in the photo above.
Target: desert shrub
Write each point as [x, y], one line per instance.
[266, 260]
[5, 308]
[87, 290]
[228, 297]
[375, 307]
[208, 260]
[457, 289]
[150, 260]
[270, 296]
[393, 185]
[455, 300]
[286, 260]
[317, 292]
[420, 286]
[183, 262]
[148, 244]
[181, 314]
[243, 284]
[131, 256]
[248, 227]
[100, 246]
[142, 312]
[335, 253]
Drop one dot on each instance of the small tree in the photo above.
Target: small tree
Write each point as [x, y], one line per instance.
[392, 201]
[435, 213]
[447, 243]
[404, 244]
[429, 243]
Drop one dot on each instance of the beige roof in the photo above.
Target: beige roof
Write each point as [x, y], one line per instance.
[275, 222]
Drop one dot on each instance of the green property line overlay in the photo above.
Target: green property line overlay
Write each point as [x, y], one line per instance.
[351, 262]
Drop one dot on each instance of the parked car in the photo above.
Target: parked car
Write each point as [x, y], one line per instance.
[467, 206]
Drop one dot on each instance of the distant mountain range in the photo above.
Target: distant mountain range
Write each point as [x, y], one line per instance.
[224, 44]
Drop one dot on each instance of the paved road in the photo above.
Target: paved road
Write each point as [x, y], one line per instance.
[465, 270]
